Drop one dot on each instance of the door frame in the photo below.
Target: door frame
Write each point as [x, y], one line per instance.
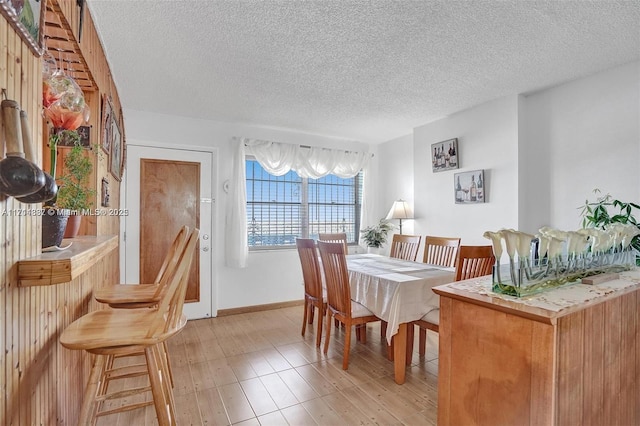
[214, 210]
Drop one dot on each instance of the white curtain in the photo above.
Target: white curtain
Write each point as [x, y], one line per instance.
[237, 247]
[309, 162]
[278, 159]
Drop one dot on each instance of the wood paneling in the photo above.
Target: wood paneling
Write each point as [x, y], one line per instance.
[41, 383]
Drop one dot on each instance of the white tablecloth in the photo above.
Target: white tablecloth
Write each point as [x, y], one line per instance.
[395, 290]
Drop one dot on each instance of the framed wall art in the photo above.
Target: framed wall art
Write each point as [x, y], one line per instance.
[107, 118]
[27, 18]
[469, 187]
[116, 162]
[444, 155]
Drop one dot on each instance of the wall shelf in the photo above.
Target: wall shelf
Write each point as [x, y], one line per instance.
[63, 266]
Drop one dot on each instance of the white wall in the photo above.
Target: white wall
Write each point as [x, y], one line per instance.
[395, 180]
[487, 139]
[582, 135]
[272, 276]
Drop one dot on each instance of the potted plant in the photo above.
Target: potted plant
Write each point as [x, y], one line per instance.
[375, 236]
[74, 191]
[595, 214]
[66, 110]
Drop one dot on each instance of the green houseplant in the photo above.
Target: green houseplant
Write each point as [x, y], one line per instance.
[596, 214]
[375, 236]
[75, 193]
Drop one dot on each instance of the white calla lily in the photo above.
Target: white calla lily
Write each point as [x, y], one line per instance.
[496, 241]
[510, 241]
[523, 246]
[555, 247]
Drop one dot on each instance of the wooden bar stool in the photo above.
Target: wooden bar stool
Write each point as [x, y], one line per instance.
[110, 332]
[145, 295]
[127, 296]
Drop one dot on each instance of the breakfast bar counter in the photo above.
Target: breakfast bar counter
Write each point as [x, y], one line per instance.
[566, 356]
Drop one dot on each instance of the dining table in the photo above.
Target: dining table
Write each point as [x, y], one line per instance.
[398, 292]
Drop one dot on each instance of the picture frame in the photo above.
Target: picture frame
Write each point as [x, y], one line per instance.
[28, 21]
[469, 187]
[445, 155]
[107, 118]
[116, 157]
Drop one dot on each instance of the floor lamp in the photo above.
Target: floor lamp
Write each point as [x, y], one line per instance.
[400, 210]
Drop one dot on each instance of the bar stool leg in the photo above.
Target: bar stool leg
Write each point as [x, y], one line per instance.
[167, 386]
[89, 403]
[155, 378]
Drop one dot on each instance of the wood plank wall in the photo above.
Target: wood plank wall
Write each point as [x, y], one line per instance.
[599, 364]
[41, 383]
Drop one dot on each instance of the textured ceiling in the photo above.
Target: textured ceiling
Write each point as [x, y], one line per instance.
[363, 70]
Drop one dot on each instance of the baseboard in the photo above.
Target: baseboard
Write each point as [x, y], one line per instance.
[258, 308]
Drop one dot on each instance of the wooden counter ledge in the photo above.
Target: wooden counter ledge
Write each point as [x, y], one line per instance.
[63, 266]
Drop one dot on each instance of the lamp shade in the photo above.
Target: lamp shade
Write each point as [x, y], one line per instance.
[400, 210]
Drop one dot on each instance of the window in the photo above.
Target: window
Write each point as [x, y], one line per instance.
[283, 208]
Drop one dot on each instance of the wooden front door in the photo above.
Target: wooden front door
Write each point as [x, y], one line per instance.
[167, 188]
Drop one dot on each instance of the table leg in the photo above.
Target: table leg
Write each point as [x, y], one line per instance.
[400, 353]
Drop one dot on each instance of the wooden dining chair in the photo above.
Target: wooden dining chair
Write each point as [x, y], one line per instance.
[147, 294]
[441, 251]
[473, 262]
[108, 332]
[405, 246]
[339, 237]
[313, 292]
[339, 303]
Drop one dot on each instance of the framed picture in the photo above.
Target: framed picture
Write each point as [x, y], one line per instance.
[27, 18]
[107, 118]
[469, 187]
[444, 155]
[117, 151]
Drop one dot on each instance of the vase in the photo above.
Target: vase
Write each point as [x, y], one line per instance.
[73, 225]
[374, 250]
[54, 223]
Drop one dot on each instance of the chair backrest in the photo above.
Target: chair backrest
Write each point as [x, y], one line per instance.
[171, 259]
[336, 276]
[310, 267]
[405, 246]
[441, 251]
[169, 311]
[474, 261]
[339, 237]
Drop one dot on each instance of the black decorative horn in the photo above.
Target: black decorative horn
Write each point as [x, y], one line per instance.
[18, 176]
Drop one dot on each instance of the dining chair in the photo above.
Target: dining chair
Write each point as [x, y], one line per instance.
[339, 237]
[405, 246]
[108, 332]
[339, 303]
[441, 251]
[472, 262]
[313, 292]
[148, 294]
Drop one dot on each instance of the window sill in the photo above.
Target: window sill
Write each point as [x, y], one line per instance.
[63, 266]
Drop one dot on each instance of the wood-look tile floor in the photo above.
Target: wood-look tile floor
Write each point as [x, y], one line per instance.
[257, 369]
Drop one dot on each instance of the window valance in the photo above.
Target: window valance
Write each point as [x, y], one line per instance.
[309, 162]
